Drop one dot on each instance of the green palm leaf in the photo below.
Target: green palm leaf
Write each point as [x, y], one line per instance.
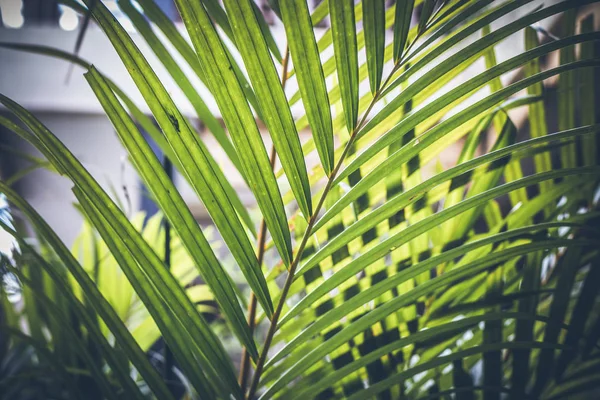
[276, 111]
[343, 29]
[240, 122]
[198, 165]
[404, 11]
[158, 281]
[179, 215]
[305, 56]
[430, 239]
[99, 303]
[374, 29]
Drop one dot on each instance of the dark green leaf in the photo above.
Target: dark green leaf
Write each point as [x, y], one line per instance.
[426, 12]
[311, 80]
[272, 100]
[148, 126]
[204, 114]
[95, 298]
[343, 29]
[182, 220]
[374, 30]
[206, 177]
[588, 94]
[404, 11]
[158, 280]
[239, 120]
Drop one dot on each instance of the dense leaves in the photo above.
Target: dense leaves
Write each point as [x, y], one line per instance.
[438, 237]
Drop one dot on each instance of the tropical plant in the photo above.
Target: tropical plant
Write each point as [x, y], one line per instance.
[477, 280]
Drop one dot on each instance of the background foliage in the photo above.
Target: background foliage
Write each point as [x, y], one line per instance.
[479, 280]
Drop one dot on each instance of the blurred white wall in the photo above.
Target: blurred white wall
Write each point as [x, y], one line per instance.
[88, 137]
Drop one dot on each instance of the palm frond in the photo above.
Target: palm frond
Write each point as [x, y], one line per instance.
[437, 239]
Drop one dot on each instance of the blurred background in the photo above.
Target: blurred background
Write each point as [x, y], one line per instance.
[59, 95]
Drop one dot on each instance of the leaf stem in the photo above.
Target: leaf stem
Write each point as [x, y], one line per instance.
[262, 235]
[307, 234]
[169, 362]
[262, 238]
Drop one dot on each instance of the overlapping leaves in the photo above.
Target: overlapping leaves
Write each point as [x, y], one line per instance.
[403, 272]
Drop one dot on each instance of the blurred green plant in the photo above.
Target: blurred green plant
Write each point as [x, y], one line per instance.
[479, 280]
